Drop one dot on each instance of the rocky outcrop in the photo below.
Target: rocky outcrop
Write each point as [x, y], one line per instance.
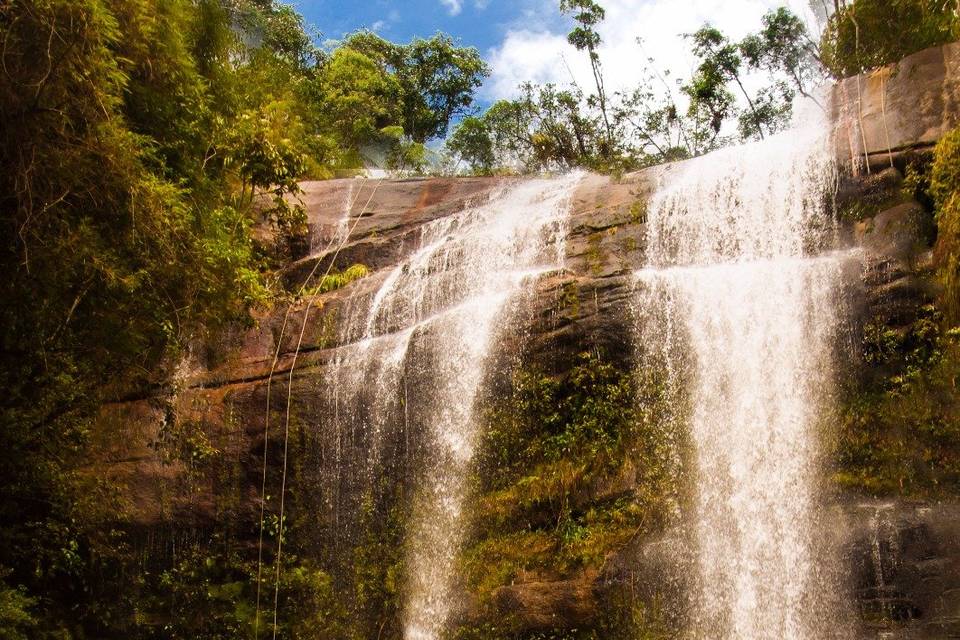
[899, 107]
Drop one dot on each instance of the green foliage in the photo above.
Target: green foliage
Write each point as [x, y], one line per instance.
[436, 79]
[783, 46]
[628, 618]
[472, 142]
[584, 37]
[360, 98]
[545, 129]
[548, 128]
[945, 191]
[337, 280]
[150, 156]
[900, 427]
[211, 595]
[587, 14]
[556, 505]
[15, 617]
[722, 63]
[866, 34]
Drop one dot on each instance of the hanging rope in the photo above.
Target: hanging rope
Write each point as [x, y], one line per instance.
[863, 133]
[286, 430]
[266, 421]
[883, 112]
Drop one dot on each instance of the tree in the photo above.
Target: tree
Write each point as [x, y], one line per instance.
[471, 142]
[784, 46]
[276, 30]
[436, 79]
[588, 14]
[721, 62]
[866, 34]
[359, 98]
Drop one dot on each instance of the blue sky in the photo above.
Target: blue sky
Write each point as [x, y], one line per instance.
[525, 39]
[481, 25]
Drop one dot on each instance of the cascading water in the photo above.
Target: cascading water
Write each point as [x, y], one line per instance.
[334, 236]
[739, 297]
[428, 329]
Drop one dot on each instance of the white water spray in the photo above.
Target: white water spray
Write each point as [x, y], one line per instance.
[741, 301]
[430, 326]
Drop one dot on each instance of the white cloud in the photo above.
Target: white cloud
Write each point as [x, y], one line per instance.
[535, 49]
[378, 26]
[453, 6]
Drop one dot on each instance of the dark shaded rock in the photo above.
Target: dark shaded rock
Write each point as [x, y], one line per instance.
[545, 606]
[901, 233]
[904, 560]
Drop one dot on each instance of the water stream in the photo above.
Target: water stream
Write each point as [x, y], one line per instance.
[739, 290]
[428, 329]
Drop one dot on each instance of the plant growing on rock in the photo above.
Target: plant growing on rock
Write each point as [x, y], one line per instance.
[865, 34]
[945, 190]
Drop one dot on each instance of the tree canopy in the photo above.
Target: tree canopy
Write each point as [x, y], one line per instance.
[142, 145]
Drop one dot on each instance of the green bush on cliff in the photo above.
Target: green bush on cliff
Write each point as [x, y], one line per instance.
[583, 466]
[866, 34]
[587, 417]
[15, 617]
[900, 426]
[945, 189]
[210, 594]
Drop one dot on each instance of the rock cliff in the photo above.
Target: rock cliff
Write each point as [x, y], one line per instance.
[191, 460]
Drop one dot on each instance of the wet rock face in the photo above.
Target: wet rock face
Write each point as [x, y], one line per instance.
[912, 103]
[904, 560]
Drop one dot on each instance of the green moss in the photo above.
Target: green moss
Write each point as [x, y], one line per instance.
[581, 469]
[595, 253]
[638, 211]
[498, 560]
[627, 618]
[570, 299]
[945, 190]
[588, 537]
[900, 426]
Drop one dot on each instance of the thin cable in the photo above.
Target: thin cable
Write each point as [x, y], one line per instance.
[883, 111]
[266, 421]
[286, 429]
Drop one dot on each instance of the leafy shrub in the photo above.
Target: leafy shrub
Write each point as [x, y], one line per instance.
[15, 617]
[945, 189]
[337, 280]
[900, 427]
[871, 33]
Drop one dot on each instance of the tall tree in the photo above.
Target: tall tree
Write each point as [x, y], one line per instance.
[721, 61]
[436, 77]
[783, 45]
[588, 14]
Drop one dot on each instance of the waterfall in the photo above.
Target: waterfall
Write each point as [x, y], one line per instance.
[333, 237]
[739, 297]
[414, 360]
